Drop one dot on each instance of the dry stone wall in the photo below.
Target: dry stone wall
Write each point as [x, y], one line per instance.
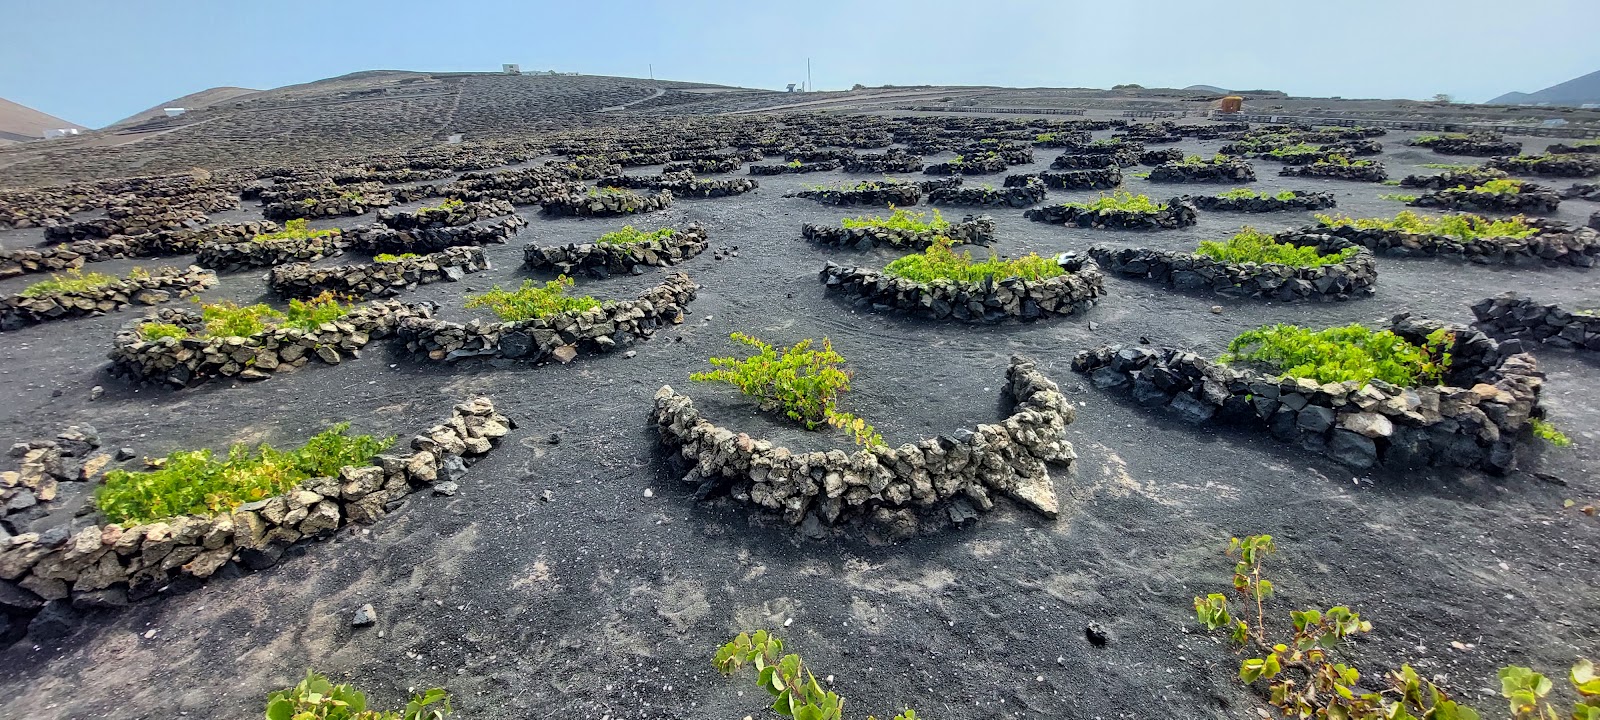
[466, 213]
[989, 301]
[194, 359]
[379, 239]
[1178, 212]
[683, 184]
[970, 230]
[607, 204]
[55, 258]
[615, 324]
[1473, 420]
[1232, 171]
[1348, 280]
[1554, 244]
[1372, 172]
[953, 476]
[249, 253]
[1030, 192]
[1101, 179]
[49, 575]
[603, 259]
[1532, 198]
[1302, 200]
[378, 279]
[158, 286]
[1510, 315]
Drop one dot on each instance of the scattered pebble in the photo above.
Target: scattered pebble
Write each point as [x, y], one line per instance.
[149, 633]
[95, 392]
[649, 493]
[365, 616]
[630, 353]
[1216, 309]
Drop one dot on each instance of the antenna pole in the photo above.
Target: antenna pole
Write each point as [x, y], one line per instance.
[652, 71]
[809, 88]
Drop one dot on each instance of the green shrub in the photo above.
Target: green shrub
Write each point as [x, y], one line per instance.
[1304, 678]
[1044, 137]
[784, 677]
[389, 258]
[229, 319]
[1397, 197]
[598, 191]
[532, 301]
[1198, 161]
[354, 197]
[446, 206]
[1120, 200]
[73, 281]
[628, 236]
[1293, 150]
[1462, 226]
[1251, 245]
[314, 313]
[1503, 186]
[1248, 194]
[1141, 174]
[158, 330]
[793, 163]
[1340, 354]
[939, 262]
[295, 229]
[901, 219]
[1544, 430]
[802, 383]
[194, 482]
[316, 698]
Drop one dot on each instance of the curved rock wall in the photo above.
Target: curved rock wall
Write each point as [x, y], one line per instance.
[606, 204]
[615, 324]
[1031, 192]
[1349, 280]
[1101, 179]
[376, 280]
[1563, 166]
[111, 565]
[326, 207]
[1370, 173]
[990, 301]
[890, 162]
[1234, 171]
[1302, 200]
[1178, 213]
[192, 360]
[1510, 315]
[379, 239]
[603, 259]
[682, 184]
[156, 244]
[810, 167]
[1453, 178]
[1472, 421]
[954, 474]
[247, 254]
[897, 195]
[971, 230]
[159, 286]
[439, 217]
[1554, 244]
[1532, 198]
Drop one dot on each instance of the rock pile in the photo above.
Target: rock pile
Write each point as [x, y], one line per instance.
[953, 475]
[1190, 272]
[1510, 315]
[378, 279]
[157, 286]
[607, 203]
[1471, 421]
[45, 576]
[615, 324]
[971, 230]
[194, 359]
[989, 301]
[1178, 213]
[601, 260]
[27, 493]
[1302, 200]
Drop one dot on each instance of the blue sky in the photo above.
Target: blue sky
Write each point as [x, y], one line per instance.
[94, 62]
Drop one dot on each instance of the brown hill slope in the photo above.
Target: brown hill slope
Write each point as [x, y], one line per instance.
[26, 122]
[192, 101]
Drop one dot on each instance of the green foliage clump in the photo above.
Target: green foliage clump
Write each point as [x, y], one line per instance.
[599, 191]
[1304, 678]
[1198, 161]
[1141, 174]
[1044, 137]
[1397, 197]
[1545, 430]
[295, 229]
[785, 677]
[1120, 200]
[1342, 161]
[1503, 186]
[229, 319]
[793, 163]
[194, 482]
[354, 197]
[446, 206]
[1349, 353]
[158, 330]
[803, 383]
[389, 257]
[939, 262]
[1295, 149]
[1251, 245]
[1462, 226]
[901, 219]
[628, 236]
[533, 301]
[317, 698]
[1248, 194]
[314, 313]
[73, 280]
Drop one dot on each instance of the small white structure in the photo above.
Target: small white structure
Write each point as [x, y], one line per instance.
[511, 69]
[53, 133]
[791, 87]
[1553, 122]
[174, 112]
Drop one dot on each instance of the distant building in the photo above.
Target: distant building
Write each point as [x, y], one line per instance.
[174, 112]
[511, 69]
[1554, 122]
[791, 86]
[53, 133]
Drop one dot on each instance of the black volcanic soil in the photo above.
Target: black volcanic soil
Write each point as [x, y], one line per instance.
[609, 599]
